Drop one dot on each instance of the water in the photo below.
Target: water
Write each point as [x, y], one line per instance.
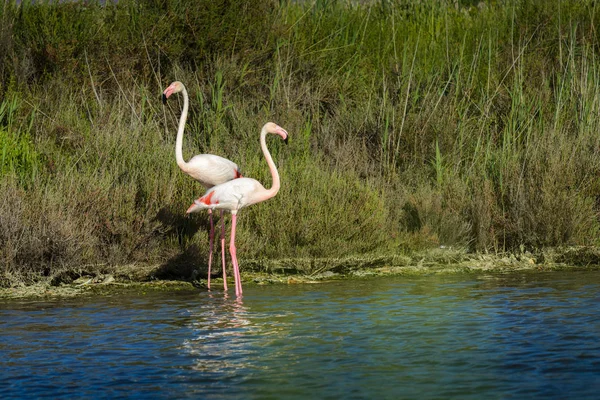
[461, 336]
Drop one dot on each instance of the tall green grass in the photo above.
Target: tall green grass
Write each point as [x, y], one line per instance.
[413, 124]
[18, 156]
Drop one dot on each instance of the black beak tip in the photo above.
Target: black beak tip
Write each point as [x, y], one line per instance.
[164, 99]
[285, 140]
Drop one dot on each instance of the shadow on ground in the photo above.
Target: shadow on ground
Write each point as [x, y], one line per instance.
[192, 263]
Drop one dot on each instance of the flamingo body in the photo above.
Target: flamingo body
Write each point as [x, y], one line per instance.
[232, 196]
[211, 170]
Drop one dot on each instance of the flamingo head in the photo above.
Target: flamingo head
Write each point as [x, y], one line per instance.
[195, 207]
[273, 128]
[174, 87]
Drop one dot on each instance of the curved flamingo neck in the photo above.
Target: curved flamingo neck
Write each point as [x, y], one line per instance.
[179, 142]
[276, 183]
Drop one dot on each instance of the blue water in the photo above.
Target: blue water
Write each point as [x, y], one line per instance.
[460, 336]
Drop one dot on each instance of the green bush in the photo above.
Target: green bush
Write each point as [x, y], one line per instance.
[412, 125]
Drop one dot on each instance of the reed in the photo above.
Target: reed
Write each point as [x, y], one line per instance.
[413, 125]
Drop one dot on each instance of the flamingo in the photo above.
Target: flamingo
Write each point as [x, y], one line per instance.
[239, 193]
[208, 169]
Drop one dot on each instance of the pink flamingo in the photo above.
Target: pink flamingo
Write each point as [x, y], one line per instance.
[239, 193]
[208, 169]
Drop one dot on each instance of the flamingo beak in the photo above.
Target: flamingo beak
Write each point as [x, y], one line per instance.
[168, 92]
[283, 133]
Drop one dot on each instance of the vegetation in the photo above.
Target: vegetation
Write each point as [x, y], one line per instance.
[413, 125]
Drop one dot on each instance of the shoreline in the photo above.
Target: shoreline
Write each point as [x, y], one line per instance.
[135, 278]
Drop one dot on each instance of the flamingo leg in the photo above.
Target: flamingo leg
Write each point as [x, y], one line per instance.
[232, 251]
[223, 249]
[212, 237]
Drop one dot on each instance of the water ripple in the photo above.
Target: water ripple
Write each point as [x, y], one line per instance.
[525, 335]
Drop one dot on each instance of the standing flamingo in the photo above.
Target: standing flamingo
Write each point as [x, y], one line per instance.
[239, 193]
[208, 169]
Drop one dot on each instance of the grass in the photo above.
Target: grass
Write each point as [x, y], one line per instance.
[413, 125]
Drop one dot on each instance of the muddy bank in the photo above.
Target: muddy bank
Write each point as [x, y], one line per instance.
[142, 278]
